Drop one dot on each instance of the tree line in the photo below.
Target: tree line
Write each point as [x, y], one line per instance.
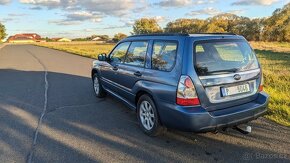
[273, 28]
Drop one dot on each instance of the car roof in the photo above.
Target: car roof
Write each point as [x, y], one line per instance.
[197, 36]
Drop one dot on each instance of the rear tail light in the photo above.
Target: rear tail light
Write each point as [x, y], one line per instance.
[261, 84]
[186, 93]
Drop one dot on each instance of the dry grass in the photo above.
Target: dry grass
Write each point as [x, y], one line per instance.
[87, 49]
[274, 58]
[272, 46]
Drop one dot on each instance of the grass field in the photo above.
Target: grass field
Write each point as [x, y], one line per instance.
[275, 61]
[274, 58]
[87, 49]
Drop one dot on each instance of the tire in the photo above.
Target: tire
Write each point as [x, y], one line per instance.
[98, 88]
[146, 115]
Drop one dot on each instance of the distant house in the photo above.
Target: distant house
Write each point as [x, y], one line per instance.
[61, 39]
[24, 38]
[99, 40]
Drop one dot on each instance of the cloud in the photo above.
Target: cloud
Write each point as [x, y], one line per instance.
[5, 20]
[212, 11]
[174, 3]
[205, 11]
[202, 2]
[13, 17]
[83, 15]
[160, 19]
[77, 17]
[108, 7]
[35, 8]
[64, 22]
[4, 2]
[16, 15]
[182, 3]
[127, 23]
[77, 11]
[47, 3]
[236, 12]
[116, 27]
[255, 2]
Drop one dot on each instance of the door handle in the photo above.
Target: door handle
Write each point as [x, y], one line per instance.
[115, 68]
[138, 73]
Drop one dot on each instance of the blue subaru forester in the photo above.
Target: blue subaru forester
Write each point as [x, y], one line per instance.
[190, 82]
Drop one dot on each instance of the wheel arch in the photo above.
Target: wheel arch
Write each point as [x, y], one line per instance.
[146, 92]
[93, 72]
[140, 93]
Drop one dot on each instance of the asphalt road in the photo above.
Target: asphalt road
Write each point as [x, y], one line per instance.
[48, 113]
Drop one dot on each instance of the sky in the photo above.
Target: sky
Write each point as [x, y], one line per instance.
[82, 18]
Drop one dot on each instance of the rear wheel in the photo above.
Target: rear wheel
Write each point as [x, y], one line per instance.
[99, 90]
[148, 116]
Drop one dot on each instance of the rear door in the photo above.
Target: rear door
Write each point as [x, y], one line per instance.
[229, 72]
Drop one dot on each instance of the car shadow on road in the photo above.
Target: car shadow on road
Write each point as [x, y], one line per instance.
[78, 127]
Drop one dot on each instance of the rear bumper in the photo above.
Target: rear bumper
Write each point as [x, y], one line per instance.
[197, 119]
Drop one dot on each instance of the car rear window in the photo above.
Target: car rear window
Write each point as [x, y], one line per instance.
[218, 57]
[164, 55]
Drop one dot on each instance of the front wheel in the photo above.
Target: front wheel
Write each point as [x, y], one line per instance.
[148, 116]
[99, 90]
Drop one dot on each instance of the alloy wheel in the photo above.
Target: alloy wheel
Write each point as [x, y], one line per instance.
[147, 116]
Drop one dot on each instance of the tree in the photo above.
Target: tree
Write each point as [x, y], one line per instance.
[119, 36]
[146, 26]
[253, 29]
[276, 27]
[47, 39]
[185, 26]
[250, 29]
[222, 23]
[2, 32]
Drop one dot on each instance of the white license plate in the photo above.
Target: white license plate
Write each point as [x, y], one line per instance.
[228, 91]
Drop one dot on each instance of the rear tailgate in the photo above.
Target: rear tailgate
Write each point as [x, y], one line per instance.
[228, 71]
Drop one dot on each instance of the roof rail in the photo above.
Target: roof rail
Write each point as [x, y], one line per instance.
[180, 34]
[161, 34]
[219, 33]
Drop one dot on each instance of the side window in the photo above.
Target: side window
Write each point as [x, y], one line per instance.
[164, 55]
[119, 53]
[136, 53]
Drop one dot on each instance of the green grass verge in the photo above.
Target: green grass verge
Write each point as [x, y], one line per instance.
[276, 72]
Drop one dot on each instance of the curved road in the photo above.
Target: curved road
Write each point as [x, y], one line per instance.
[48, 113]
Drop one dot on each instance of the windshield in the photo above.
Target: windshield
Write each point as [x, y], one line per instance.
[221, 57]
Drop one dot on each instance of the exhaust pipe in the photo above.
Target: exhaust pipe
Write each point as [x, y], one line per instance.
[245, 131]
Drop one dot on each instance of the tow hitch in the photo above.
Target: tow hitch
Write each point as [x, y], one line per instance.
[245, 131]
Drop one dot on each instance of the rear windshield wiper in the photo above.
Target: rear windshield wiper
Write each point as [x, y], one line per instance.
[222, 71]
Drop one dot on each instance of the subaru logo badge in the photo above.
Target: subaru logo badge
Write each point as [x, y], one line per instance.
[237, 77]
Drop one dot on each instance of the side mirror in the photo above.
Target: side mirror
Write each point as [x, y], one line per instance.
[102, 57]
